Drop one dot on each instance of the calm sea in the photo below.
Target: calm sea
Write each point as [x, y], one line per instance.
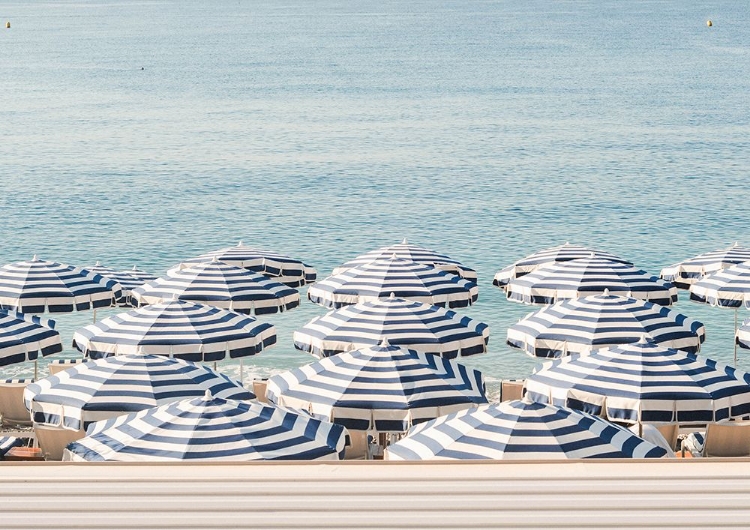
[149, 132]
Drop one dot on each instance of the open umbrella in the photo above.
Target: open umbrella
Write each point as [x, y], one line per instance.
[384, 388]
[517, 430]
[729, 287]
[220, 285]
[289, 271]
[547, 256]
[109, 387]
[687, 272]
[404, 323]
[412, 253]
[37, 286]
[128, 280]
[178, 329]
[25, 338]
[585, 276]
[210, 429]
[643, 382]
[403, 278]
[584, 324]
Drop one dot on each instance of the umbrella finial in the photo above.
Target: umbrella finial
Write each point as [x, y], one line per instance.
[404, 242]
[606, 292]
[214, 260]
[174, 297]
[208, 396]
[134, 269]
[98, 263]
[630, 294]
[394, 256]
[644, 339]
[384, 343]
[34, 258]
[240, 243]
[392, 296]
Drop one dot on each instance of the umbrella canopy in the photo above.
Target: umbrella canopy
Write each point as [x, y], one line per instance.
[412, 253]
[404, 323]
[687, 272]
[37, 286]
[289, 271]
[729, 287]
[742, 335]
[643, 382]
[25, 338]
[517, 430]
[210, 428]
[183, 330]
[585, 276]
[547, 256]
[128, 280]
[384, 388]
[220, 285]
[403, 278]
[105, 388]
[584, 324]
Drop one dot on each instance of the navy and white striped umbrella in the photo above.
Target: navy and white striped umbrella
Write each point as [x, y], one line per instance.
[519, 430]
[729, 287]
[25, 338]
[548, 256]
[289, 271]
[128, 280]
[585, 276]
[210, 429]
[687, 272]
[584, 324]
[183, 330]
[384, 388]
[403, 278]
[105, 388]
[220, 285]
[643, 382]
[412, 253]
[404, 323]
[37, 286]
[742, 335]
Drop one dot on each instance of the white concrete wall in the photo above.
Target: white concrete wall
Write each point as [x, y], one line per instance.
[688, 493]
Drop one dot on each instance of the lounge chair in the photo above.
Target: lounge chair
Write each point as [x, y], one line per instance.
[511, 389]
[63, 364]
[358, 448]
[13, 413]
[53, 440]
[259, 389]
[727, 439]
[670, 432]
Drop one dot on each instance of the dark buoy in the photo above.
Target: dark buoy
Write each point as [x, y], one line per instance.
[142, 68]
[709, 23]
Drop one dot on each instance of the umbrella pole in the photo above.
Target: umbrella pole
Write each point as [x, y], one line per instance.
[36, 369]
[734, 338]
[242, 374]
[94, 315]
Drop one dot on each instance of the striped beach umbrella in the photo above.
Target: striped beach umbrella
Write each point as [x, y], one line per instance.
[25, 338]
[729, 287]
[220, 285]
[404, 323]
[37, 286]
[584, 324]
[519, 430]
[586, 276]
[183, 330]
[643, 382]
[742, 335]
[687, 272]
[289, 271]
[210, 429]
[548, 256]
[414, 253]
[105, 388]
[384, 388]
[128, 280]
[403, 278]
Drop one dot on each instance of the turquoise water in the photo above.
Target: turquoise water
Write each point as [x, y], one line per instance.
[149, 132]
